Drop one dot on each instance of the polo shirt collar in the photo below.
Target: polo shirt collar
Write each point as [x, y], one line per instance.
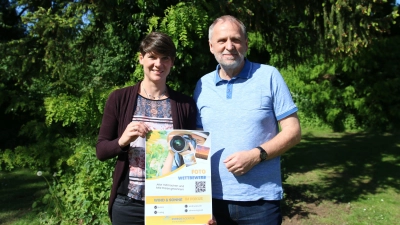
[244, 74]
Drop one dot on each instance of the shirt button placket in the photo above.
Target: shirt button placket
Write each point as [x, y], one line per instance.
[229, 90]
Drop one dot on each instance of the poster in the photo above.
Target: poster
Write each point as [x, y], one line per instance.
[178, 177]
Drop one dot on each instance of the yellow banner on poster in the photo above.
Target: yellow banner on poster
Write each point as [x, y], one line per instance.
[177, 199]
[186, 219]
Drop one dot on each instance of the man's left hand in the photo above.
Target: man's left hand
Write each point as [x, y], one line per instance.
[241, 162]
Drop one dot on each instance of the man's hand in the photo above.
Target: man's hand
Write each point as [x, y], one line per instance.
[240, 163]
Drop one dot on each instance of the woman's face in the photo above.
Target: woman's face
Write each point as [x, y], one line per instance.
[156, 67]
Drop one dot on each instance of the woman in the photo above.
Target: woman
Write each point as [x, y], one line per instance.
[129, 114]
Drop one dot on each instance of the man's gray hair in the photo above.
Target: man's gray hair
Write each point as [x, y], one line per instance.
[224, 19]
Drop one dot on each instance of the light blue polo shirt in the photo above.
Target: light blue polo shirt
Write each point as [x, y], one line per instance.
[241, 114]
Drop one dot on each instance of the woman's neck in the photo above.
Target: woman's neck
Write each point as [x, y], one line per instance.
[153, 91]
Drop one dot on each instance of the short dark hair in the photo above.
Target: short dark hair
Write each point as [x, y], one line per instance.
[159, 43]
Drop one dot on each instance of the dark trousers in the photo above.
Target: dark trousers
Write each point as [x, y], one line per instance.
[127, 211]
[259, 212]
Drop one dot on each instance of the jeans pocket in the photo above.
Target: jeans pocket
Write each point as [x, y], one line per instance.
[121, 201]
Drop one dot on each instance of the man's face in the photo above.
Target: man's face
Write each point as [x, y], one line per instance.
[228, 44]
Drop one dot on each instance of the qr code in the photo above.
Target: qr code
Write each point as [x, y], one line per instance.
[200, 186]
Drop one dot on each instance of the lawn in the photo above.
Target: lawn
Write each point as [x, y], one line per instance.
[18, 190]
[343, 178]
[333, 178]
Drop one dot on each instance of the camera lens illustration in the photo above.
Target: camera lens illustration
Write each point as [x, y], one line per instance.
[180, 143]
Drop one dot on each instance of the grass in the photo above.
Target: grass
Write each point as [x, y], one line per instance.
[333, 179]
[18, 190]
[343, 178]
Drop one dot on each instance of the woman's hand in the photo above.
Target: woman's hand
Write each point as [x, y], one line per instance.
[132, 131]
[212, 221]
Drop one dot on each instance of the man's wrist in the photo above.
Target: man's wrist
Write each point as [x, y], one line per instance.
[263, 153]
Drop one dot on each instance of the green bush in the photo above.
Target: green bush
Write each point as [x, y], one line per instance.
[359, 92]
[79, 194]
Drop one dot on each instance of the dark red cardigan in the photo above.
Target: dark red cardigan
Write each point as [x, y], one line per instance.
[118, 114]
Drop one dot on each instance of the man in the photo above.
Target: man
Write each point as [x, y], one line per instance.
[241, 104]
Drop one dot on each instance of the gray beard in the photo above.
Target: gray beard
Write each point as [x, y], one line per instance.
[230, 66]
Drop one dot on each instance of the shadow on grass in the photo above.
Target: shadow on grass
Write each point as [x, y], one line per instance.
[18, 190]
[353, 165]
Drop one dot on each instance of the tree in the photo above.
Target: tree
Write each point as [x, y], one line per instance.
[57, 71]
[10, 29]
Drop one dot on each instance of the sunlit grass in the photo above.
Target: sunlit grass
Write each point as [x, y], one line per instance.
[343, 178]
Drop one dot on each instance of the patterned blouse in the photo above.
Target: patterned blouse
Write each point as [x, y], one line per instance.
[157, 115]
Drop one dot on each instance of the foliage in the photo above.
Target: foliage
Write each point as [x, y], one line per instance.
[359, 92]
[59, 60]
[155, 160]
[372, 85]
[82, 189]
[295, 30]
[188, 31]
[156, 153]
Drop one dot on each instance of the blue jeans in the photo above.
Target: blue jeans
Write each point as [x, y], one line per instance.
[259, 212]
[127, 211]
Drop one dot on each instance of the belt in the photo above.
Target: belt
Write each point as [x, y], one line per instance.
[127, 198]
